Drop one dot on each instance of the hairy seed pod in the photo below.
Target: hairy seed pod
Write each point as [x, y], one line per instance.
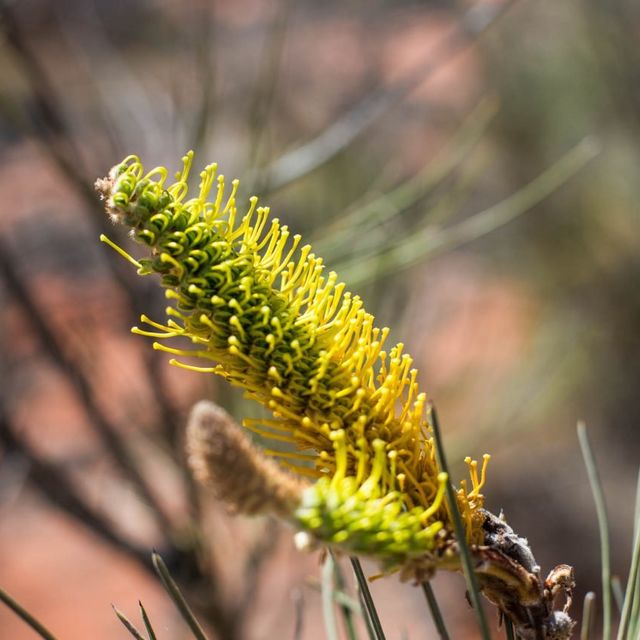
[223, 459]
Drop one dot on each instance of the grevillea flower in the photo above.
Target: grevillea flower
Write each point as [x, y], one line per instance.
[268, 317]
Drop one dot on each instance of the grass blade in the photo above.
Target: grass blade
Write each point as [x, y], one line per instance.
[21, 612]
[371, 634]
[367, 599]
[337, 237]
[603, 525]
[588, 615]
[128, 625]
[465, 555]
[328, 611]
[618, 593]
[346, 604]
[436, 614]
[508, 629]
[634, 617]
[335, 138]
[298, 610]
[178, 599]
[629, 616]
[147, 623]
[428, 242]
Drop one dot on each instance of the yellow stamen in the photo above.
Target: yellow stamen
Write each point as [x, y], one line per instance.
[119, 250]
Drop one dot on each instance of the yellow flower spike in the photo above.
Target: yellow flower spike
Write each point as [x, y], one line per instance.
[259, 305]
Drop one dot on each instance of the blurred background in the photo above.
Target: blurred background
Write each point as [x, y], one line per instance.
[470, 169]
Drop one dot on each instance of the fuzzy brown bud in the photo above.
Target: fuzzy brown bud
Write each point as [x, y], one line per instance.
[223, 459]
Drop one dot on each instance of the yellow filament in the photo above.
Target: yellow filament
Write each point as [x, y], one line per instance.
[338, 438]
[190, 367]
[305, 471]
[305, 457]
[437, 501]
[189, 353]
[119, 250]
[155, 334]
[270, 435]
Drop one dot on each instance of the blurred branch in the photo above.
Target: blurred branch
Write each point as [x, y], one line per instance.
[54, 485]
[428, 242]
[346, 128]
[205, 71]
[53, 121]
[267, 82]
[99, 422]
[336, 236]
[56, 139]
[253, 564]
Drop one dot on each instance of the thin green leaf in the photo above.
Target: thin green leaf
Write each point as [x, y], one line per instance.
[603, 525]
[347, 127]
[338, 235]
[371, 634]
[328, 611]
[128, 625]
[369, 606]
[147, 623]
[346, 604]
[465, 555]
[21, 612]
[261, 103]
[340, 598]
[345, 600]
[588, 615]
[508, 629]
[429, 242]
[629, 615]
[298, 609]
[618, 593]
[176, 596]
[436, 614]
[634, 618]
